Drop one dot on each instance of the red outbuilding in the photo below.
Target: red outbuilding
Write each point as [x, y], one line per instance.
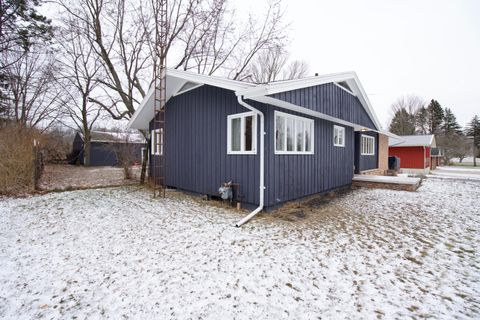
[414, 152]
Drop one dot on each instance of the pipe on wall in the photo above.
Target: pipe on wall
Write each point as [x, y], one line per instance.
[262, 162]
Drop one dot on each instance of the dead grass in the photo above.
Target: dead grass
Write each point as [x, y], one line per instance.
[17, 160]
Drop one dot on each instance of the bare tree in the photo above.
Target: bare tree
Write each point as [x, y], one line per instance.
[271, 65]
[202, 35]
[80, 69]
[32, 98]
[297, 69]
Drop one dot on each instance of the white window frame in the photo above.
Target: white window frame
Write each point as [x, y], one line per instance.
[306, 121]
[341, 130]
[242, 116]
[364, 145]
[156, 140]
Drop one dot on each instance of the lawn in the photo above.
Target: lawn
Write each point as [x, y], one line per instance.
[118, 253]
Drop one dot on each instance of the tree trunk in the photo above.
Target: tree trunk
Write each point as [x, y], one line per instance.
[144, 166]
[86, 150]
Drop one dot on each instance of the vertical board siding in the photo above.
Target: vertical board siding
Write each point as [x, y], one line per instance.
[364, 162]
[196, 150]
[289, 177]
[196, 145]
[333, 101]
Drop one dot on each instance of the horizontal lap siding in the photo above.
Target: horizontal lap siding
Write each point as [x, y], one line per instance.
[330, 100]
[196, 145]
[289, 177]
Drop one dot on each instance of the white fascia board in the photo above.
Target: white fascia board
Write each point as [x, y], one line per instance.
[350, 77]
[289, 85]
[175, 81]
[292, 107]
[215, 81]
[391, 135]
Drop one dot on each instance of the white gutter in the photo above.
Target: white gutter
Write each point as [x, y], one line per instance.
[262, 161]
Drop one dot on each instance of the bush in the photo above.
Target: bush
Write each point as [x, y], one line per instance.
[20, 167]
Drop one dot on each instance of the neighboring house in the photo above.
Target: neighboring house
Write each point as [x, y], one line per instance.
[414, 153]
[318, 131]
[437, 156]
[104, 145]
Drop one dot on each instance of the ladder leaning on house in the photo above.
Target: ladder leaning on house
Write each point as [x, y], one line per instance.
[160, 94]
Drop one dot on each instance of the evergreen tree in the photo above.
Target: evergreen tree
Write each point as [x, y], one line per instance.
[403, 123]
[435, 116]
[473, 130]
[450, 125]
[21, 24]
[421, 120]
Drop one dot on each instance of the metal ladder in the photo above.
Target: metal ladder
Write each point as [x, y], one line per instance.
[160, 98]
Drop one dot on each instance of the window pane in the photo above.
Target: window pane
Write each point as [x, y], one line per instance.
[335, 136]
[280, 133]
[299, 133]
[248, 133]
[290, 130]
[308, 143]
[236, 134]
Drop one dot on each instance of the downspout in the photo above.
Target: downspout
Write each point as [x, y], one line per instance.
[262, 161]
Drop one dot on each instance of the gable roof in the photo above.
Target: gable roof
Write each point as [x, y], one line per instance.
[179, 82]
[413, 141]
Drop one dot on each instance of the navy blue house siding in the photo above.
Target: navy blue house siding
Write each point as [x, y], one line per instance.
[289, 177]
[196, 145]
[330, 100]
[365, 162]
[197, 159]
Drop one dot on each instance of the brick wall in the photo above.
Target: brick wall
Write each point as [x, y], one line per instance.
[382, 152]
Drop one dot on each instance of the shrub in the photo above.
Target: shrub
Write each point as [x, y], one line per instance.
[20, 167]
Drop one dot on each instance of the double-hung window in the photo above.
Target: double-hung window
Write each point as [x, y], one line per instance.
[156, 137]
[293, 134]
[367, 145]
[242, 133]
[338, 136]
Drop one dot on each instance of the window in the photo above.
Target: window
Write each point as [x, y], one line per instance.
[156, 138]
[338, 136]
[368, 145]
[293, 134]
[242, 133]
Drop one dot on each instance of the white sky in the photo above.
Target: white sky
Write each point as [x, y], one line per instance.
[430, 48]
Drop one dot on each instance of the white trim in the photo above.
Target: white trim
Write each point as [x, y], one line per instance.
[189, 89]
[361, 145]
[350, 78]
[308, 121]
[242, 117]
[156, 148]
[343, 88]
[342, 130]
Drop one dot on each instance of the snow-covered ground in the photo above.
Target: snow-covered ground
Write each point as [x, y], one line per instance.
[458, 173]
[117, 253]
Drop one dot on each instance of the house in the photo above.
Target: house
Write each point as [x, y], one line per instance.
[437, 156]
[276, 142]
[414, 153]
[104, 145]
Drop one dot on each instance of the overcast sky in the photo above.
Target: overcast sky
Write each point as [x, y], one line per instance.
[430, 48]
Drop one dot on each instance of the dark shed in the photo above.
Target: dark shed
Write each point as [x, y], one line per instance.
[103, 147]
